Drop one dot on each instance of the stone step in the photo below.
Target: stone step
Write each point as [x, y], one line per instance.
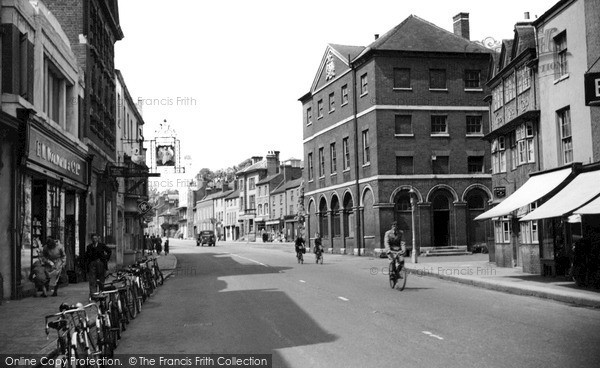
[445, 253]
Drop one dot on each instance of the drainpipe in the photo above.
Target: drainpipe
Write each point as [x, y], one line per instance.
[356, 164]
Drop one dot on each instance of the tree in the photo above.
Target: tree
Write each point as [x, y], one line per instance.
[206, 174]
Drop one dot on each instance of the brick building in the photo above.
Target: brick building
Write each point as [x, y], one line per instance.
[92, 28]
[401, 117]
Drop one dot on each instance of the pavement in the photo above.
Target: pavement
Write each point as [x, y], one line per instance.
[476, 270]
[22, 320]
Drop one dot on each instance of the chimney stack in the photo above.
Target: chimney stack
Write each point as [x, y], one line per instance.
[526, 15]
[461, 25]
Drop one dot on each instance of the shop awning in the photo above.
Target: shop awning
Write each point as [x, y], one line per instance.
[592, 208]
[577, 193]
[535, 188]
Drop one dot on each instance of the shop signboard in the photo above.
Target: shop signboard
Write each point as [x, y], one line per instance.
[45, 152]
[592, 89]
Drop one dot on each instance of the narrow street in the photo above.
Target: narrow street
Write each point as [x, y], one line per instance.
[255, 298]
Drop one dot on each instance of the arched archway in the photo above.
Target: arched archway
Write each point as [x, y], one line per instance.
[323, 223]
[441, 205]
[349, 214]
[368, 213]
[477, 200]
[403, 214]
[336, 229]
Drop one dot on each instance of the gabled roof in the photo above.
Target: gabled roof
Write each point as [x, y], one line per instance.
[234, 194]
[269, 179]
[417, 34]
[344, 51]
[257, 166]
[524, 38]
[287, 185]
[210, 197]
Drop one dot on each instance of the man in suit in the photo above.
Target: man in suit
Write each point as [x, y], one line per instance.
[97, 255]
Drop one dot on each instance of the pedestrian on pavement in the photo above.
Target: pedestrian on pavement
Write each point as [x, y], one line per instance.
[40, 277]
[158, 246]
[145, 244]
[167, 246]
[152, 244]
[97, 256]
[54, 256]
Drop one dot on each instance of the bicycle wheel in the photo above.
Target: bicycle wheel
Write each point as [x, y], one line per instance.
[402, 278]
[107, 345]
[159, 275]
[321, 259]
[131, 297]
[61, 361]
[392, 274]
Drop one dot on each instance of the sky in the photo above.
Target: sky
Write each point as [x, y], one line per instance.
[227, 75]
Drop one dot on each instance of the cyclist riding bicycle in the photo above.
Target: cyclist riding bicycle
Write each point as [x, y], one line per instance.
[318, 249]
[299, 246]
[396, 248]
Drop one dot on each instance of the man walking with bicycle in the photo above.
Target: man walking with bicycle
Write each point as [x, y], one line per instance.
[393, 241]
[96, 256]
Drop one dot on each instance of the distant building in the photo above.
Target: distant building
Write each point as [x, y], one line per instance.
[247, 178]
[400, 118]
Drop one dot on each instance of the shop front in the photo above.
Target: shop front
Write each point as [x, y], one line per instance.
[54, 186]
[9, 246]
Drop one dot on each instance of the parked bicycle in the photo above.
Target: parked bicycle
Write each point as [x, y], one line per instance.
[397, 271]
[74, 342]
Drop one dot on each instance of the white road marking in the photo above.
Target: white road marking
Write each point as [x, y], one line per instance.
[432, 335]
[248, 259]
[342, 298]
[302, 281]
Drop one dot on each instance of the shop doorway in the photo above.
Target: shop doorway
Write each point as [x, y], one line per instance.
[441, 221]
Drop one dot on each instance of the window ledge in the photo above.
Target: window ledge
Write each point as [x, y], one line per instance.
[311, 180]
[367, 164]
[332, 110]
[344, 104]
[309, 124]
[440, 135]
[438, 89]
[364, 94]
[473, 89]
[475, 135]
[404, 135]
[346, 170]
[402, 88]
[319, 117]
[562, 78]
[333, 174]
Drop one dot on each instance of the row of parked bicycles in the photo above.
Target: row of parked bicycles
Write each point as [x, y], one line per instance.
[89, 334]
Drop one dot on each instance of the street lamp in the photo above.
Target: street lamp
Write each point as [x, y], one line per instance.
[413, 204]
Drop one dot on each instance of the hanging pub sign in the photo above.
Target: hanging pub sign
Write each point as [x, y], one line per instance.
[47, 153]
[500, 192]
[592, 89]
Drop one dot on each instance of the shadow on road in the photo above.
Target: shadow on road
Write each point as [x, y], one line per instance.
[208, 308]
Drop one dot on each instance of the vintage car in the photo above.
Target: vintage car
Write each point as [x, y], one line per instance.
[206, 237]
